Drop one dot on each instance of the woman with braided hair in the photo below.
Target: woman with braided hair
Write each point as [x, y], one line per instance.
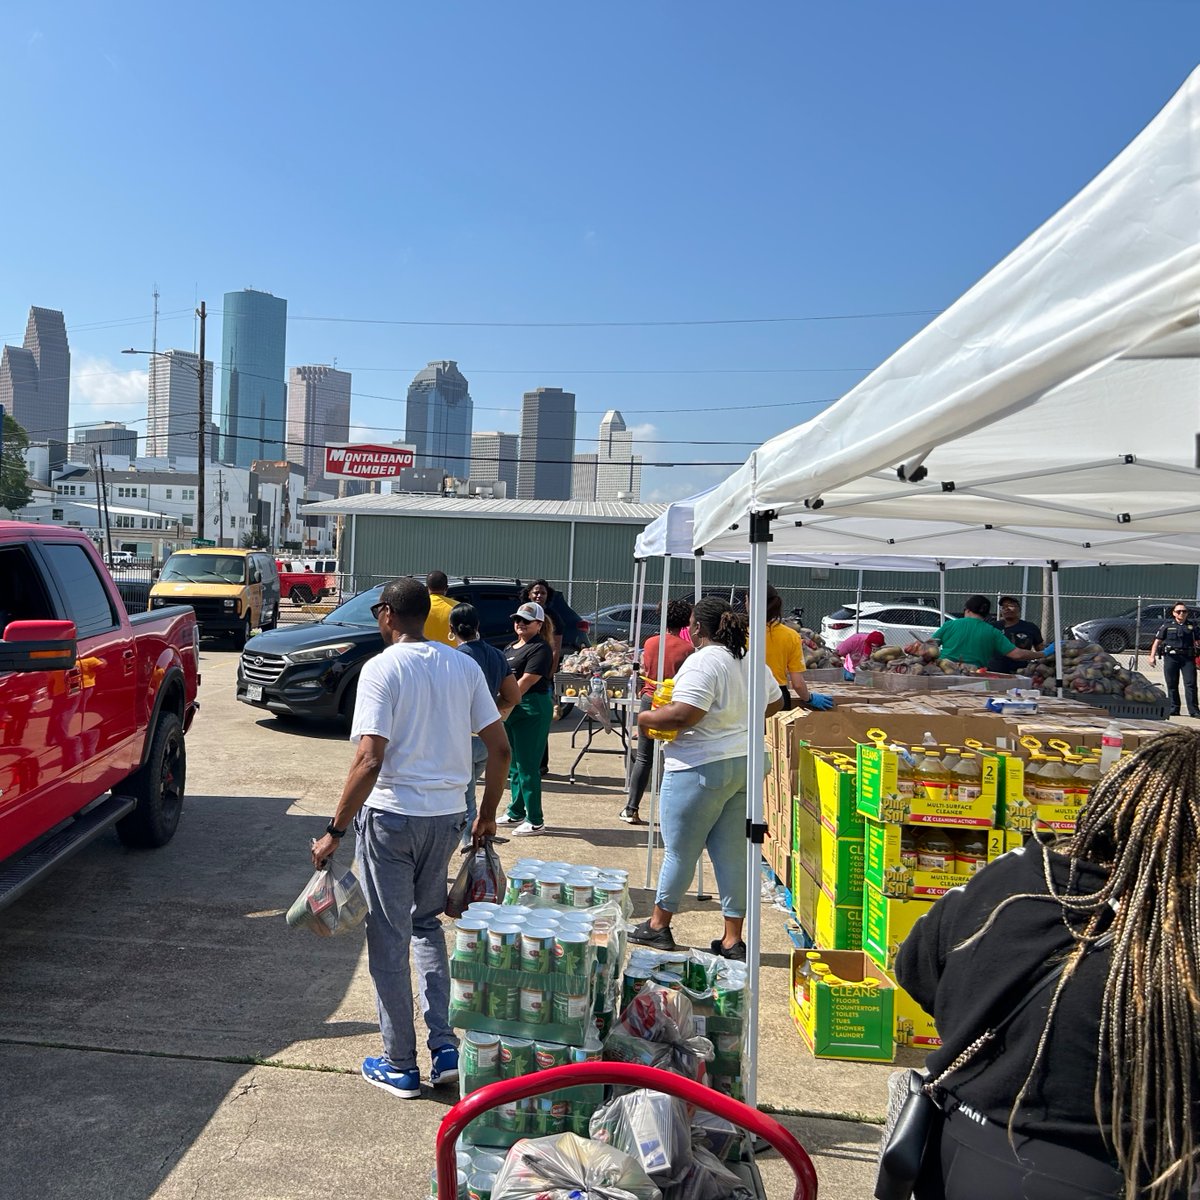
[703, 799]
[1094, 1088]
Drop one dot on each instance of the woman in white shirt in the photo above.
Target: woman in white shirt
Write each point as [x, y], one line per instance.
[703, 800]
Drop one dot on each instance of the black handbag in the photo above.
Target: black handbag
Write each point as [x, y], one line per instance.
[914, 1112]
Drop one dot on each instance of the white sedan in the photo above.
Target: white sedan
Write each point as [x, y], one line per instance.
[900, 623]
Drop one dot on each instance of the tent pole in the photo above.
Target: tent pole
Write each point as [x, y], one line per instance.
[1058, 661]
[941, 587]
[697, 592]
[857, 599]
[635, 678]
[1024, 588]
[760, 535]
[651, 835]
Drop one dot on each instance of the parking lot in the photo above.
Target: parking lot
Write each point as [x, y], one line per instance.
[164, 1033]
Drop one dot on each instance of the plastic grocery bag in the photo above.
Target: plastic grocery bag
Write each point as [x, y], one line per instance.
[328, 904]
[657, 1029]
[651, 1127]
[594, 703]
[707, 1178]
[481, 877]
[567, 1167]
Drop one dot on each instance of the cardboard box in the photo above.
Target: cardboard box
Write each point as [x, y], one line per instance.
[831, 926]
[882, 797]
[835, 862]
[827, 789]
[914, 1026]
[884, 867]
[886, 923]
[847, 1020]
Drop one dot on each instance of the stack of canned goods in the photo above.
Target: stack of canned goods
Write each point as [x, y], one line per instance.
[567, 885]
[716, 988]
[477, 1171]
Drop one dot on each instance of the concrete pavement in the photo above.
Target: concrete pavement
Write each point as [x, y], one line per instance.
[164, 1034]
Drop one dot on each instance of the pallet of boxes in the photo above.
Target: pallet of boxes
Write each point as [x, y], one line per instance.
[895, 802]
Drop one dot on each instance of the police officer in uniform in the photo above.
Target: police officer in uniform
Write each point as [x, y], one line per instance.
[1178, 641]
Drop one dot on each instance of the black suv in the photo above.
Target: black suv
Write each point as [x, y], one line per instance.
[311, 670]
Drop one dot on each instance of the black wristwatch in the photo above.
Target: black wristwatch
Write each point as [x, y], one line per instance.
[333, 831]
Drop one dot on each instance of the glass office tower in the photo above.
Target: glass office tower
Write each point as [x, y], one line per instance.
[253, 387]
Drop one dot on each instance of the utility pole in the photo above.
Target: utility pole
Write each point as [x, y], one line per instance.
[202, 314]
[99, 514]
[221, 507]
[104, 493]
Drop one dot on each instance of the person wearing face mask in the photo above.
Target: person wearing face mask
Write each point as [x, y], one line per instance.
[1177, 642]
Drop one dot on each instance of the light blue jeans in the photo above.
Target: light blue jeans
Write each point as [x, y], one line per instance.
[402, 865]
[478, 762]
[704, 808]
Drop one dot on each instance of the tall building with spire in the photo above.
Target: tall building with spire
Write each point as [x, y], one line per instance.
[437, 419]
[613, 472]
[318, 411]
[35, 378]
[253, 391]
[547, 445]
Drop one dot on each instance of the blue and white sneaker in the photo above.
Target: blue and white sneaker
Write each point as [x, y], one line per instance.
[445, 1066]
[380, 1072]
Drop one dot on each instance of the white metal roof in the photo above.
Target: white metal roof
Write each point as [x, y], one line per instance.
[405, 505]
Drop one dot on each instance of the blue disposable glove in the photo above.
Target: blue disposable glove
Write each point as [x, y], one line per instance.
[820, 702]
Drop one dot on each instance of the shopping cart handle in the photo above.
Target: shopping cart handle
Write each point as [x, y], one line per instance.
[628, 1075]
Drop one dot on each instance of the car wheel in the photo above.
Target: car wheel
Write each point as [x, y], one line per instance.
[302, 594]
[1113, 640]
[241, 635]
[346, 704]
[158, 789]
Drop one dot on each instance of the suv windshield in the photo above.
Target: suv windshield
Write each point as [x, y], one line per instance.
[356, 611]
[205, 568]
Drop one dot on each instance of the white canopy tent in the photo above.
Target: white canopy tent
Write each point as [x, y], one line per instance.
[1057, 402]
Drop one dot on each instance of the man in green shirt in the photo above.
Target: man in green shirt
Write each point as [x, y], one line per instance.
[972, 639]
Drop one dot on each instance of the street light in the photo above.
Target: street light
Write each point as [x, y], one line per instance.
[202, 314]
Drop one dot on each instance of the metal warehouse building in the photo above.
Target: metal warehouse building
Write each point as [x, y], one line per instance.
[586, 550]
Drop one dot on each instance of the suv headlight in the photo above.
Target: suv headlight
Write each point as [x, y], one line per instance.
[231, 603]
[158, 601]
[319, 653]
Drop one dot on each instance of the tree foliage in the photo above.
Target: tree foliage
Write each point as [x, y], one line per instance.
[15, 492]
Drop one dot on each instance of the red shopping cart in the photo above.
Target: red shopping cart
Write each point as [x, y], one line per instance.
[629, 1075]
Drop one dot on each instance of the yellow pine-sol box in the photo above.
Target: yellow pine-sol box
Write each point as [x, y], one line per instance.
[887, 921]
[914, 1026]
[899, 866]
[844, 1010]
[892, 798]
[1027, 804]
[835, 862]
[827, 787]
[831, 926]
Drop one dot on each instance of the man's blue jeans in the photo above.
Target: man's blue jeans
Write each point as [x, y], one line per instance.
[402, 864]
[479, 756]
[704, 807]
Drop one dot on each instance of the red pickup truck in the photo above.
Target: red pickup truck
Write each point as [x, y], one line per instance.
[302, 586]
[94, 705]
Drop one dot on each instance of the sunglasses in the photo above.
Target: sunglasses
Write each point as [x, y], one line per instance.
[1180, 610]
[376, 609]
[521, 621]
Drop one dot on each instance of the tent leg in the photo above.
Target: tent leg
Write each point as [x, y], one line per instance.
[697, 592]
[941, 587]
[857, 596]
[760, 534]
[1058, 660]
[652, 835]
[635, 677]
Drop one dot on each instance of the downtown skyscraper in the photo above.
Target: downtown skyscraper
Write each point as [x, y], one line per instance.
[547, 445]
[318, 411]
[437, 420]
[494, 459]
[253, 392]
[35, 379]
[173, 406]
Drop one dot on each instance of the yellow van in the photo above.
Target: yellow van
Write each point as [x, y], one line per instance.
[232, 591]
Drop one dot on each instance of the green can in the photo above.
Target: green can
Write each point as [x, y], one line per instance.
[503, 1001]
[634, 979]
[551, 1116]
[569, 1008]
[571, 952]
[577, 892]
[479, 1186]
[550, 1054]
[480, 1059]
[502, 943]
[729, 997]
[466, 996]
[534, 1006]
[579, 1123]
[510, 1117]
[516, 1056]
[470, 939]
[537, 950]
[695, 976]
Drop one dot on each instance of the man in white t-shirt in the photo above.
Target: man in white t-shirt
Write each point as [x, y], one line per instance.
[418, 704]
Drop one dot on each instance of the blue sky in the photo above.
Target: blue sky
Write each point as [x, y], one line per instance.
[531, 164]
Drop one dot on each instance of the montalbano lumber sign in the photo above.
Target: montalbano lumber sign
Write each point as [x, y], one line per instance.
[349, 460]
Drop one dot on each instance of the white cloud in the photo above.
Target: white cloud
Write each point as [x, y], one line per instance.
[102, 390]
[646, 432]
[662, 485]
[365, 433]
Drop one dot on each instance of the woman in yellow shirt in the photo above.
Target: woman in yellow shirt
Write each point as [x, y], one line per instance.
[785, 655]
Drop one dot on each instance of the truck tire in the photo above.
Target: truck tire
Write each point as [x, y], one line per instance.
[346, 704]
[301, 594]
[157, 787]
[241, 635]
[272, 621]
